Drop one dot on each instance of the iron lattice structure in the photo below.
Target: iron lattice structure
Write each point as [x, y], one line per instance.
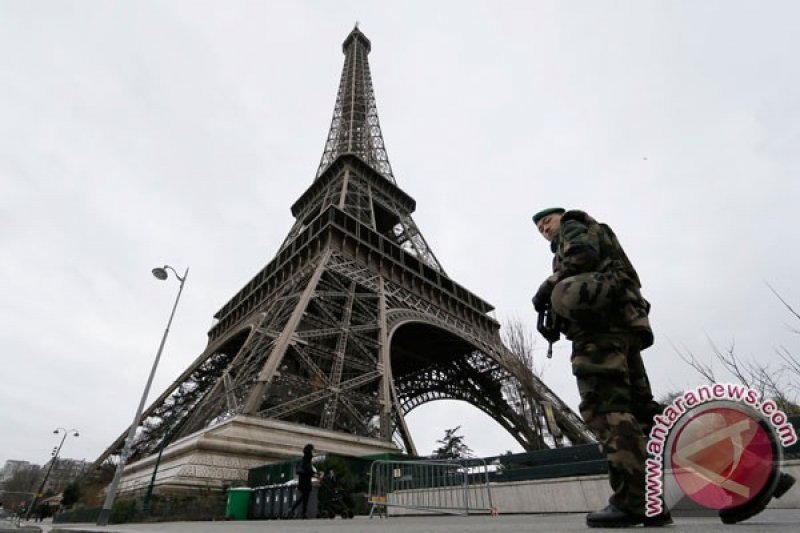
[354, 323]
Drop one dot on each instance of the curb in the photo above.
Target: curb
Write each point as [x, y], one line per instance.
[69, 530]
[62, 530]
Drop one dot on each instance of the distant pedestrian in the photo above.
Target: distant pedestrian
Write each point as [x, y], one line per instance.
[305, 471]
[41, 512]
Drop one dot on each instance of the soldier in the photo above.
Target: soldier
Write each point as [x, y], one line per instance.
[595, 292]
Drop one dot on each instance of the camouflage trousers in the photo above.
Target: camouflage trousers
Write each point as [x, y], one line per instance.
[617, 404]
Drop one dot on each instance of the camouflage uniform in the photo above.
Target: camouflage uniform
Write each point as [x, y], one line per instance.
[595, 290]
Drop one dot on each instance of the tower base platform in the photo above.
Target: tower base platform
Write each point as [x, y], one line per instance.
[222, 455]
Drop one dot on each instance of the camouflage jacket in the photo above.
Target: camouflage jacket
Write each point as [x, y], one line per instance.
[584, 246]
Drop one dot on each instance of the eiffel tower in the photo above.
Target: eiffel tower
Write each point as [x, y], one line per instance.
[351, 326]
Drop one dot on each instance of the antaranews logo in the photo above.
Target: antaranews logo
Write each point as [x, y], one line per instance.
[719, 445]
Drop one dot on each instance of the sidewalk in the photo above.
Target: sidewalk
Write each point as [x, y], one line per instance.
[769, 520]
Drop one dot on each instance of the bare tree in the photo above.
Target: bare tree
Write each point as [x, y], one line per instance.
[520, 340]
[792, 363]
[706, 370]
[19, 490]
[669, 397]
[520, 389]
[785, 304]
[777, 382]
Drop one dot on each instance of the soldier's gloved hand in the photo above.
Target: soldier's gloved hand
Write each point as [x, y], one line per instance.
[541, 300]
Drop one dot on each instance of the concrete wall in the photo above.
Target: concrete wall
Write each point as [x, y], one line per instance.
[572, 494]
[569, 494]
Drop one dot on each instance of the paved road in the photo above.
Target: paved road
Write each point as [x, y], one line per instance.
[770, 520]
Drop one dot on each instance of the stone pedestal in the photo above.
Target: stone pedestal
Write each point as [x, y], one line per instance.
[222, 455]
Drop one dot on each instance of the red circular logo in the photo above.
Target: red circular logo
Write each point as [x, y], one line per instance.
[721, 457]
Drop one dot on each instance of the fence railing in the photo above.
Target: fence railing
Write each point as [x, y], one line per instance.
[446, 487]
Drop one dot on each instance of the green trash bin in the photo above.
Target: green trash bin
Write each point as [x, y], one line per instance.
[238, 503]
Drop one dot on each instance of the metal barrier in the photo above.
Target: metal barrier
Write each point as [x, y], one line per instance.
[453, 487]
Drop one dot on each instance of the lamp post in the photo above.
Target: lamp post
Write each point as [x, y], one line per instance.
[50, 468]
[105, 513]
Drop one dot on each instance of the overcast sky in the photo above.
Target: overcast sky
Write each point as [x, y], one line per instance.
[134, 134]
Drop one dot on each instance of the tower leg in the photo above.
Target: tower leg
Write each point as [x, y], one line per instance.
[268, 371]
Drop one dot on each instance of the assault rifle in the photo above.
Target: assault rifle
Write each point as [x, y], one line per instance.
[548, 324]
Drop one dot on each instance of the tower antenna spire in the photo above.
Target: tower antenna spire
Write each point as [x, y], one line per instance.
[355, 128]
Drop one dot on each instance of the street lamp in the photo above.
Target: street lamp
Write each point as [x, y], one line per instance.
[105, 513]
[50, 468]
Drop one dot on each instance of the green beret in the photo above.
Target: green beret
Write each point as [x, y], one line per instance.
[549, 211]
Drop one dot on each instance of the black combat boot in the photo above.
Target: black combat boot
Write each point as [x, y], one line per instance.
[664, 518]
[613, 516]
[757, 504]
